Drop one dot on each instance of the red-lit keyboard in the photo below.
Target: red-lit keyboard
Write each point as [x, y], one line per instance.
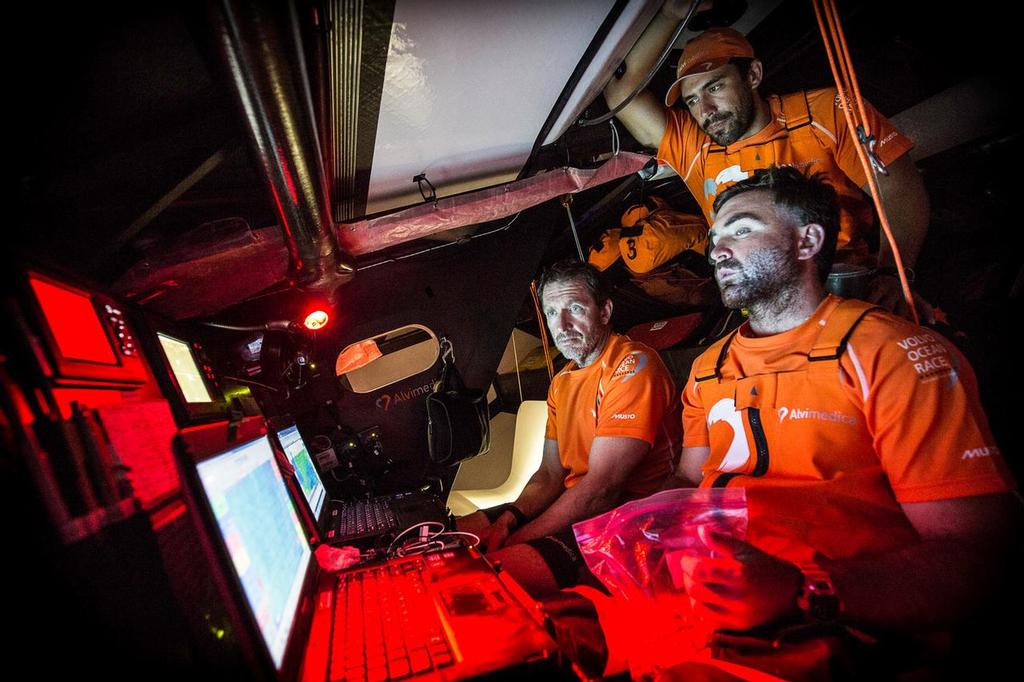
[386, 626]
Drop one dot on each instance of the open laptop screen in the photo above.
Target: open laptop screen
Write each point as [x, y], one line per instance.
[262, 533]
[309, 480]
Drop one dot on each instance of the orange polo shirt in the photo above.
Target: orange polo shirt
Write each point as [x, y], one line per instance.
[829, 450]
[627, 391]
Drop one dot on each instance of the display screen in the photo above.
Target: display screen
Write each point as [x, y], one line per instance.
[262, 533]
[309, 480]
[76, 328]
[186, 371]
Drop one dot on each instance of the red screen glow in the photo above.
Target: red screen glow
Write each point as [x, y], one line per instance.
[76, 327]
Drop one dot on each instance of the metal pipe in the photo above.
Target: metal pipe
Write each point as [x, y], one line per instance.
[259, 42]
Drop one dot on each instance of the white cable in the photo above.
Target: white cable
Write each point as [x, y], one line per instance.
[432, 541]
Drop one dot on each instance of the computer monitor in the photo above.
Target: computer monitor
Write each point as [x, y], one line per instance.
[309, 480]
[242, 490]
[84, 335]
[183, 371]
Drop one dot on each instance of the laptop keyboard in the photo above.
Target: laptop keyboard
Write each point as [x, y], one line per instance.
[363, 518]
[386, 626]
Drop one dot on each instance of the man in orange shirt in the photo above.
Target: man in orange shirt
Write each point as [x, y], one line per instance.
[723, 129]
[612, 435]
[876, 494]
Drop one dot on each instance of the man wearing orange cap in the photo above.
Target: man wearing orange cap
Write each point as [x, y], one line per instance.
[723, 129]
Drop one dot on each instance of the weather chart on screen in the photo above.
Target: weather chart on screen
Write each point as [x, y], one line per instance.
[295, 448]
[186, 372]
[262, 533]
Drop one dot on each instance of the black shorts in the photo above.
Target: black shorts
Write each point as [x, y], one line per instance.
[563, 557]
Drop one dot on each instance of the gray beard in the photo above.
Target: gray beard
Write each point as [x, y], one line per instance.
[580, 350]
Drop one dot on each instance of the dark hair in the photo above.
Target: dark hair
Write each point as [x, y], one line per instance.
[811, 199]
[742, 65]
[569, 270]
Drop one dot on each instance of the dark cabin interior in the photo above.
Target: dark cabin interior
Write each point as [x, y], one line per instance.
[143, 173]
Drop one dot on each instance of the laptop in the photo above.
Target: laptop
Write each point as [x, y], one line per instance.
[359, 522]
[441, 616]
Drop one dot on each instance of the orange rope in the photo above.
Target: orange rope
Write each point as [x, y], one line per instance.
[852, 106]
[543, 331]
[849, 75]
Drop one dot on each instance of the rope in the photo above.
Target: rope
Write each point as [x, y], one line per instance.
[852, 105]
[515, 354]
[543, 331]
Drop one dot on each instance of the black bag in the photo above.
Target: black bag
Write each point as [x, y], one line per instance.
[458, 421]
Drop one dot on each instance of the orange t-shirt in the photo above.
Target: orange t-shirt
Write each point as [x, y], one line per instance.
[820, 144]
[828, 450]
[627, 391]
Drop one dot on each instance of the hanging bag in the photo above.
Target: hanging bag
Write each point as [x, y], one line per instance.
[458, 420]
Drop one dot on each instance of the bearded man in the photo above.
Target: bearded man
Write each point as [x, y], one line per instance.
[877, 496]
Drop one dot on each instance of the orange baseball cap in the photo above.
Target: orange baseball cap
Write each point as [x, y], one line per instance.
[708, 51]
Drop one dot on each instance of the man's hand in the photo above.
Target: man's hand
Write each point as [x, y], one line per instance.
[886, 291]
[739, 586]
[475, 523]
[493, 536]
[497, 534]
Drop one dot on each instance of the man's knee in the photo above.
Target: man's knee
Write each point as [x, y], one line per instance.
[528, 568]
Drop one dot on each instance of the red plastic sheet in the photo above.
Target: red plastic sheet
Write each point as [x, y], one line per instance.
[636, 550]
[485, 205]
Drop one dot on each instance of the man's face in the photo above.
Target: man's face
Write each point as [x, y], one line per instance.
[577, 323]
[722, 103]
[754, 250]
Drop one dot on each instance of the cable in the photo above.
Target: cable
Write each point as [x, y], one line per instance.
[253, 383]
[441, 246]
[583, 123]
[567, 202]
[428, 542]
[543, 330]
[515, 355]
[276, 325]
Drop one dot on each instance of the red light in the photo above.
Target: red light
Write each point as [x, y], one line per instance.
[316, 320]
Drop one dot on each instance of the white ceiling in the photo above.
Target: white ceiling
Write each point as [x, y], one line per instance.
[469, 84]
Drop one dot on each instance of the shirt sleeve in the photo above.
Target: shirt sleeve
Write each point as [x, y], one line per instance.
[679, 144]
[551, 428]
[635, 396]
[695, 425]
[921, 405]
[827, 111]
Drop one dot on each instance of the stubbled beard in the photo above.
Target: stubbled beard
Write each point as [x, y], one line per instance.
[737, 122]
[766, 277]
[575, 348]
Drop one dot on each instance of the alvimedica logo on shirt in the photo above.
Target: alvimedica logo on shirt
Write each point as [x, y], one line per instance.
[798, 413]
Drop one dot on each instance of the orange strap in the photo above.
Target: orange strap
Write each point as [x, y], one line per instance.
[543, 331]
[849, 92]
